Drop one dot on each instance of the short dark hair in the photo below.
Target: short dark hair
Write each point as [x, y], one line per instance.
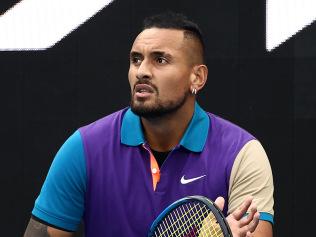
[177, 21]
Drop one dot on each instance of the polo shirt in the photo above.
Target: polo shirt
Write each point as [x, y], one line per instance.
[106, 174]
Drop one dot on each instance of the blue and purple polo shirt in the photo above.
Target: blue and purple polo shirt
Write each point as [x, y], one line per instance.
[106, 175]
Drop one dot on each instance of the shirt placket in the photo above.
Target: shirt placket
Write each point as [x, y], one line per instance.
[154, 167]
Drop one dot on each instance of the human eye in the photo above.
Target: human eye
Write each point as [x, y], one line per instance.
[161, 60]
[135, 60]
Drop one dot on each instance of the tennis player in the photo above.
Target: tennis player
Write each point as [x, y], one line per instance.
[118, 173]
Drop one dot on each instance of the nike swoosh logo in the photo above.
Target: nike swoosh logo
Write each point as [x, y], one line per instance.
[186, 181]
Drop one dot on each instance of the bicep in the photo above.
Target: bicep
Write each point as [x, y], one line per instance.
[38, 229]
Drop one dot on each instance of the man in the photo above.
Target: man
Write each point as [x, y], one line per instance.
[120, 172]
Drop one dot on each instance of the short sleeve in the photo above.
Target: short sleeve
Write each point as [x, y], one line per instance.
[251, 175]
[61, 200]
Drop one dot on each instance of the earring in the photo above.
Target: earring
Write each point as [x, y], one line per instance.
[194, 91]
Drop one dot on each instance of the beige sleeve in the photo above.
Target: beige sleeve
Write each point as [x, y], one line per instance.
[251, 175]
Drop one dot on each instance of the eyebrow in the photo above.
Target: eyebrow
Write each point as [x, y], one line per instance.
[135, 54]
[161, 53]
[154, 53]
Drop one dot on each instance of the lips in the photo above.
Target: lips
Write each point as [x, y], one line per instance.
[143, 88]
[143, 91]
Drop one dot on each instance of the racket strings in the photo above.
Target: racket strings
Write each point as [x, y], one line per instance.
[197, 222]
[187, 223]
[174, 223]
[210, 227]
[189, 230]
[190, 220]
[207, 226]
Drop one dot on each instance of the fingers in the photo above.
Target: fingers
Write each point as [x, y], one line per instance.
[254, 223]
[250, 216]
[252, 219]
[240, 212]
[249, 223]
[220, 201]
[242, 225]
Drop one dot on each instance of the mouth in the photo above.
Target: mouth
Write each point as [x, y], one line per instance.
[143, 88]
[143, 91]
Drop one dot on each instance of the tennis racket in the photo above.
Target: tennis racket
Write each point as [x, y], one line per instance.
[192, 216]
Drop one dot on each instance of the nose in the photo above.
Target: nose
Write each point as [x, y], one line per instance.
[144, 70]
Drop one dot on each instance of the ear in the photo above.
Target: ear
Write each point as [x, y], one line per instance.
[198, 77]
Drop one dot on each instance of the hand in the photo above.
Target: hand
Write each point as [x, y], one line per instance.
[241, 226]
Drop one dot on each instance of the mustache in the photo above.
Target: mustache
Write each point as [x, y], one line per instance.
[147, 82]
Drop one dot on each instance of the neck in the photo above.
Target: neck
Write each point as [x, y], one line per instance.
[165, 132]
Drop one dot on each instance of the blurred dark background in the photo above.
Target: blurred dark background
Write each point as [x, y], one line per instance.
[46, 95]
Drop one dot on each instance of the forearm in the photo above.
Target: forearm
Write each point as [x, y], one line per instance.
[37, 229]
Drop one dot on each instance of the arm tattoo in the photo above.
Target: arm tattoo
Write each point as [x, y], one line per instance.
[36, 229]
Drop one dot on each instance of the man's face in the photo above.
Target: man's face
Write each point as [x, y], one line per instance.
[159, 73]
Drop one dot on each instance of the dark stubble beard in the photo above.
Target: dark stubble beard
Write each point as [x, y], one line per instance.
[159, 109]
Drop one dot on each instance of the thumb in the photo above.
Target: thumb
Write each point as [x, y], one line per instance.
[220, 201]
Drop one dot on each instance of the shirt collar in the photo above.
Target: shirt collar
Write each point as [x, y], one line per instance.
[193, 139]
